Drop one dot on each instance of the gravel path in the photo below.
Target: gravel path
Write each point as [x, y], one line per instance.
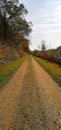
[31, 100]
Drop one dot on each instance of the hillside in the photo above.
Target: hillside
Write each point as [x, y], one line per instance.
[10, 53]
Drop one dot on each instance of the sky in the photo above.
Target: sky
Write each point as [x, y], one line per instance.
[45, 16]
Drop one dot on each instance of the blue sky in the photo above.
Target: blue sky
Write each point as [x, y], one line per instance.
[45, 16]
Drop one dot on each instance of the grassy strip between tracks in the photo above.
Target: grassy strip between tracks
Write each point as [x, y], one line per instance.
[8, 70]
[53, 69]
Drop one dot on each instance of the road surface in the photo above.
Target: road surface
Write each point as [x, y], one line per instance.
[31, 100]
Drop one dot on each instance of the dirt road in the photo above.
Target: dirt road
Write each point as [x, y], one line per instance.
[31, 100]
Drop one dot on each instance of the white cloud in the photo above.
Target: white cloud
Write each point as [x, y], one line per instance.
[58, 11]
[44, 28]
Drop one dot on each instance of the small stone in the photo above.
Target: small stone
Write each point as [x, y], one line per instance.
[55, 122]
[59, 113]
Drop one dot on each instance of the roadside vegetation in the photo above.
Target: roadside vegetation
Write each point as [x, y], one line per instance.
[8, 70]
[53, 69]
[52, 55]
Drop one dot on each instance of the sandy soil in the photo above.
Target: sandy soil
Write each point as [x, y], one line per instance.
[31, 100]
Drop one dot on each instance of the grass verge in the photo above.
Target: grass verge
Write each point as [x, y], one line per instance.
[8, 70]
[53, 69]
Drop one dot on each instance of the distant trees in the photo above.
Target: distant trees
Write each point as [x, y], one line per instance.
[52, 55]
[12, 18]
[43, 45]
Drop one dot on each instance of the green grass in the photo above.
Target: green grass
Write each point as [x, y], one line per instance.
[53, 69]
[8, 70]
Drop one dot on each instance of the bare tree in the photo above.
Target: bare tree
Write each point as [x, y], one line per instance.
[39, 47]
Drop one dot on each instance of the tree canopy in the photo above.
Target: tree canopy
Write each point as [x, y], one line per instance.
[12, 18]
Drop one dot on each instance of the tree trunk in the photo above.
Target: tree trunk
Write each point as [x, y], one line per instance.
[4, 28]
